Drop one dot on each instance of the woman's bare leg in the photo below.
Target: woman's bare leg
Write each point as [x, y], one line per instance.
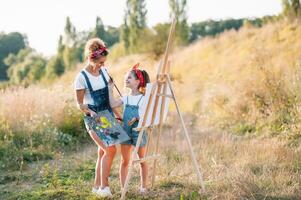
[104, 161]
[97, 181]
[106, 164]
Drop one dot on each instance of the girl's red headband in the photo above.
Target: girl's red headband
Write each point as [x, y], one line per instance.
[139, 75]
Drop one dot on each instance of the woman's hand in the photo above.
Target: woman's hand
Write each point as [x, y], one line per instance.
[87, 111]
[92, 113]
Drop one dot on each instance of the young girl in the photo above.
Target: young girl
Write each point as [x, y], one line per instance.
[136, 81]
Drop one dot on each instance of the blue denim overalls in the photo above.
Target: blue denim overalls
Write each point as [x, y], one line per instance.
[100, 97]
[131, 111]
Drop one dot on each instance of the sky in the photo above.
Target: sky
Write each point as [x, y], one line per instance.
[44, 20]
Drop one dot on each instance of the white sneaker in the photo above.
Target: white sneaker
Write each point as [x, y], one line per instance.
[94, 190]
[143, 190]
[105, 192]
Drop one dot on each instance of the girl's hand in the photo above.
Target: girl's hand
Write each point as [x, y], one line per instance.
[132, 121]
[119, 120]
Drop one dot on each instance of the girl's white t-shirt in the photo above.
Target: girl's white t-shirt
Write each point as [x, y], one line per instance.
[97, 83]
[133, 100]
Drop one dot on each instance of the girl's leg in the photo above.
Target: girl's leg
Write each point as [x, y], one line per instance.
[106, 164]
[98, 142]
[125, 159]
[143, 167]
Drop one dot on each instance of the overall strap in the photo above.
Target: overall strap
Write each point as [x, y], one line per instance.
[127, 99]
[87, 80]
[103, 76]
[139, 100]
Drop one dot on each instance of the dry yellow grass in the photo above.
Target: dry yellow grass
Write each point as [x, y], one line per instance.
[245, 81]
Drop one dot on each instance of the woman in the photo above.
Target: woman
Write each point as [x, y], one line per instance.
[91, 86]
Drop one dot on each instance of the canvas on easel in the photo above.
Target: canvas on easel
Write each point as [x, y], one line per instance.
[155, 108]
[147, 95]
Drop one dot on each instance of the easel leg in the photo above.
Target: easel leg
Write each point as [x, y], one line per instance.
[149, 132]
[156, 153]
[188, 140]
[127, 179]
[160, 130]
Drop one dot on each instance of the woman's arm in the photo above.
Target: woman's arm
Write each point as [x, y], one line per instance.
[79, 99]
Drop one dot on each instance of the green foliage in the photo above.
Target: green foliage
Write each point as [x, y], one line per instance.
[134, 24]
[25, 67]
[71, 47]
[291, 8]
[9, 44]
[124, 34]
[241, 128]
[109, 34]
[40, 139]
[54, 68]
[112, 36]
[160, 38]
[72, 123]
[178, 10]
[212, 28]
[99, 30]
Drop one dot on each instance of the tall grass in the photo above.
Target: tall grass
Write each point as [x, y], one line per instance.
[37, 123]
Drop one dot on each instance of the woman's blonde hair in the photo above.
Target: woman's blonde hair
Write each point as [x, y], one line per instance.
[93, 45]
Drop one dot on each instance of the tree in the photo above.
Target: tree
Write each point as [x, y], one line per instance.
[55, 67]
[178, 10]
[134, 23]
[70, 33]
[10, 43]
[112, 36]
[160, 38]
[99, 30]
[291, 8]
[72, 46]
[109, 34]
[25, 67]
[125, 33]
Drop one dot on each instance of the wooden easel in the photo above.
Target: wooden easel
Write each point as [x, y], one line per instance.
[159, 89]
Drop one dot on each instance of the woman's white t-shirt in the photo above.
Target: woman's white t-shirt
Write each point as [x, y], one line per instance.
[133, 100]
[97, 83]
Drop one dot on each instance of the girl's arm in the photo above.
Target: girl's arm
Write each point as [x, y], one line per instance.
[79, 99]
[113, 102]
[117, 114]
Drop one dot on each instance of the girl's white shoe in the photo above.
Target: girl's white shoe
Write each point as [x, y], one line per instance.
[105, 192]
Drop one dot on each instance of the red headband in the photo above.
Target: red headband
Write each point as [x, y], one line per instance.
[98, 52]
[139, 75]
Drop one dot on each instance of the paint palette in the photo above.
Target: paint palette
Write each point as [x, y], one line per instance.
[108, 129]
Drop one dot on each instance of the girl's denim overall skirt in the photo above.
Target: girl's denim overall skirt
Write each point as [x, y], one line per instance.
[129, 113]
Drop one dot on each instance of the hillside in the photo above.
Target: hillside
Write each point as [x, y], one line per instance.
[240, 95]
[241, 80]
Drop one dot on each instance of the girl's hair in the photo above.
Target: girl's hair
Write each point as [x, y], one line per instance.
[141, 87]
[95, 48]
